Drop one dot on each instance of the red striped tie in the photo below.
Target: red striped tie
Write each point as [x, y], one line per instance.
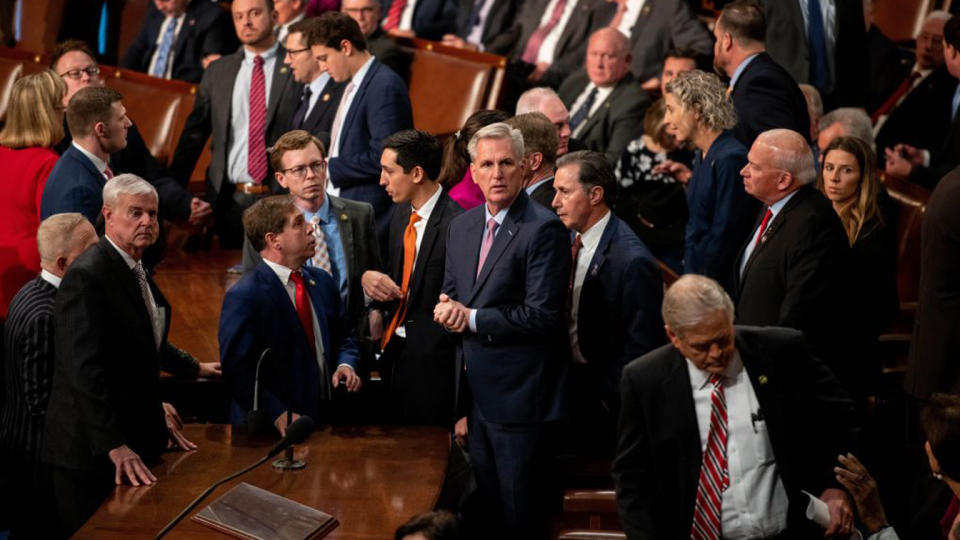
[257, 129]
[714, 475]
[394, 13]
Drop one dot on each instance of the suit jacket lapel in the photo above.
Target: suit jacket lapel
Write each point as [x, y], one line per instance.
[276, 291]
[676, 386]
[642, 18]
[761, 377]
[87, 164]
[224, 90]
[505, 235]
[320, 107]
[339, 213]
[430, 234]
[775, 225]
[358, 99]
[187, 28]
[127, 280]
[281, 78]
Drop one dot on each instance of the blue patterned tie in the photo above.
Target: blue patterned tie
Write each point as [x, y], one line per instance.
[163, 52]
[584, 111]
[817, 43]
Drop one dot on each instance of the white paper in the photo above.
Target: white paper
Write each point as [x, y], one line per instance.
[819, 513]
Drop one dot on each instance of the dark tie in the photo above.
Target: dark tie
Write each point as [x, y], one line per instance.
[300, 114]
[302, 301]
[584, 111]
[474, 16]
[817, 43]
[714, 473]
[257, 130]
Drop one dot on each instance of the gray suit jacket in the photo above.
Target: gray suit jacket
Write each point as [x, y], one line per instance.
[211, 115]
[617, 121]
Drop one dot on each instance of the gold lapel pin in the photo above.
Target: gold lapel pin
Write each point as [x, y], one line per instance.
[313, 283]
[645, 10]
[326, 97]
[762, 379]
[283, 70]
[343, 217]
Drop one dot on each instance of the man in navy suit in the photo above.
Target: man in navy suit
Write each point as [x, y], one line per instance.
[321, 95]
[507, 269]
[427, 19]
[293, 310]
[375, 104]
[614, 309]
[179, 38]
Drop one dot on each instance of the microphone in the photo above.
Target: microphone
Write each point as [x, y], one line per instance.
[297, 432]
[257, 420]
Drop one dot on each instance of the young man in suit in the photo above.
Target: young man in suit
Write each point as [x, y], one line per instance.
[721, 429]
[507, 269]
[764, 95]
[539, 144]
[614, 307]
[105, 422]
[245, 101]
[28, 371]
[606, 103]
[294, 311]
[418, 355]
[375, 104]
[321, 94]
[179, 38]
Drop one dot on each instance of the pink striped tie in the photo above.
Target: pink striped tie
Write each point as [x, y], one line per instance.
[714, 474]
[532, 50]
[257, 132]
[487, 243]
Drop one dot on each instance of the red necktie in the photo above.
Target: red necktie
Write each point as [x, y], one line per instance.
[108, 172]
[574, 253]
[714, 475]
[257, 129]
[302, 300]
[763, 227]
[393, 15]
[532, 50]
[409, 255]
[894, 98]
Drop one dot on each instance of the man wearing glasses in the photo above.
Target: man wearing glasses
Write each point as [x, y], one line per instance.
[383, 47]
[321, 95]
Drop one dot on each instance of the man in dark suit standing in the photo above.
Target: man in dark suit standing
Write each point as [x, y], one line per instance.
[105, 422]
[614, 306]
[721, 430]
[765, 96]
[292, 309]
[321, 94]
[792, 270]
[28, 371]
[179, 39]
[418, 355]
[540, 142]
[606, 103]
[245, 101]
[375, 104]
[380, 45]
[507, 271]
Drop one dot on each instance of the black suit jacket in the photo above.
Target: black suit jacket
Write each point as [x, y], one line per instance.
[545, 193]
[106, 390]
[923, 117]
[211, 116]
[206, 29]
[766, 97]
[943, 158]
[431, 18]
[887, 66]
[430, 372]
[808, 418]
[617, 121]
[498, 21]
[319, 121]
[390, 54]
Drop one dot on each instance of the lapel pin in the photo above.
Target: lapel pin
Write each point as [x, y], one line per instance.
[645, 10]
[283, 70]
[312, 283]
[763, 239]
[326, 97]
[343, 217]
[192, 22]
[763, 379]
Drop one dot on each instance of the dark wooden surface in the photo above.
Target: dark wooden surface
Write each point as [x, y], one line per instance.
[372, 479]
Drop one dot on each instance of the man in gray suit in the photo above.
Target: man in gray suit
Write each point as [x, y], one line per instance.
[246, 101]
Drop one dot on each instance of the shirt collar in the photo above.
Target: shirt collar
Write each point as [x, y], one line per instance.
[743, 65]
[533, 187]
[777, 206]
[126, 256]
[357, 78]
[51, 278]
[323, 212]
[700, 378]
[316, 85]
[293, 21]
[591, 237]
[282, 272]
[500, 215]
[427, 208]
[268, 54]
[100, 164]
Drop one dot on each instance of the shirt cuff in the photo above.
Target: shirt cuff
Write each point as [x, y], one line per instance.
[348, 365]
[926, 158]
[886, 533]
[473, 321]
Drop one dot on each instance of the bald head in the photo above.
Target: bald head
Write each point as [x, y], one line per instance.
[608, 57]
[779, 163]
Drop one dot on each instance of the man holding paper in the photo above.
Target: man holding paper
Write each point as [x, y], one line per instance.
[723, 430]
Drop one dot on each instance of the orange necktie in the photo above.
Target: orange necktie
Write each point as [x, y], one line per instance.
[409, 254]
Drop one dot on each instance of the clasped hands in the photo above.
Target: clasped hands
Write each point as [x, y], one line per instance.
[451, 314]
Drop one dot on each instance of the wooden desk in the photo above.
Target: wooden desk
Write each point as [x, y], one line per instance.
[372, 479]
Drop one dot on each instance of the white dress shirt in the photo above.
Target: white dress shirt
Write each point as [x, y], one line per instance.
[548, 48]
[591, 240]
[406, 17]
[476, 32]
[345, 103]
[240, 113]
[178, 21]
[100, 164]
[775, 209]
[629, 19]
[603, 92]
[424, 213]
[155, 312]
[755, 503]
[51, 278]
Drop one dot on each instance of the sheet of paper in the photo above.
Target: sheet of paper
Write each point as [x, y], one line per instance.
[818, 513]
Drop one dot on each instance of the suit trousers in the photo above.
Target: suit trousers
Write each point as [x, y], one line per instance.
[228, 214]
[409, 400]
[78, 493]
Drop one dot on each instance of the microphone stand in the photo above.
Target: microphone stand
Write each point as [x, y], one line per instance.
[288, 461]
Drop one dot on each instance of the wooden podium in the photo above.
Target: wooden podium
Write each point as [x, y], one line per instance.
[371, 478]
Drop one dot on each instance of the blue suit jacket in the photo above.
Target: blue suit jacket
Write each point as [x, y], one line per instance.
[257, 314]
[431, 18]
[516, 362]
[380, 108]
[75, 185]
[619, 312]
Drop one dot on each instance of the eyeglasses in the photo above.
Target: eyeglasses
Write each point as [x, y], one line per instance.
[363, 10]
[75, 74]
[300, 171]
[292, 52]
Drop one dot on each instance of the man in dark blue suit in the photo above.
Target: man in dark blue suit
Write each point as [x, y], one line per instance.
[507, 270]
[179, 38]
[375, 104]
[291, 309]
[614, 308]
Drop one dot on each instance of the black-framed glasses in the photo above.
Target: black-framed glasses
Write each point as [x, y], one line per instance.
[300, 171]
[364, 10]
[75, 74]
[292, 52]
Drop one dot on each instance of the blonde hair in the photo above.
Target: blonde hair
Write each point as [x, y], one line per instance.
[33, 117]
[706, 94]
[864, 206]
[55, 235]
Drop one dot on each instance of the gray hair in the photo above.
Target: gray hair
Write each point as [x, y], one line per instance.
[814, 101]
[691, 299]
[937, 14]
[855, 123]
[55, 235]
[126, 184]
[532, 99]
[706, 94]
[791, 153]
[497, 131]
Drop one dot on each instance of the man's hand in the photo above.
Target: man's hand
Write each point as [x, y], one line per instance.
[349, 377]
[174, 426]
[379, 286]
[209, 369]
[653, 83]
[128, 465]
[680, 172]
[855, 477]
[538, 70]
[912, 154]
[460, 432]
[280, 422]
[200, 210]
[841, 515]
[896, 165]
[375, 320]
[451, 314]
[397, 33]
[453, 40]
[208, 59]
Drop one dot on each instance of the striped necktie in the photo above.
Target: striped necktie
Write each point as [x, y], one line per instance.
[714, 473]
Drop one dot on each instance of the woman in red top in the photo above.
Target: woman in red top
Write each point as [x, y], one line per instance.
[34, 124]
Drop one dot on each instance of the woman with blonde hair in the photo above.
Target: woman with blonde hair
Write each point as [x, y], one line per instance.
[34, 123]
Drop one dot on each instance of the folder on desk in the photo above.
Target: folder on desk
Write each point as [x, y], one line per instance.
[250, 512]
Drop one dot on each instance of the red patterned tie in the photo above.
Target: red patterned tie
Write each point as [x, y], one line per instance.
[574, 253]
[714, 474]
[302, 300]
[393, 15]
[763, 227]
[895, 97]
[536, 39]
[256, 134]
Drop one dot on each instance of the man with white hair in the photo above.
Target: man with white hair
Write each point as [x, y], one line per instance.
[844, 122]
[544, 100]
[723, 430]
[792, 268]
[105, 421]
